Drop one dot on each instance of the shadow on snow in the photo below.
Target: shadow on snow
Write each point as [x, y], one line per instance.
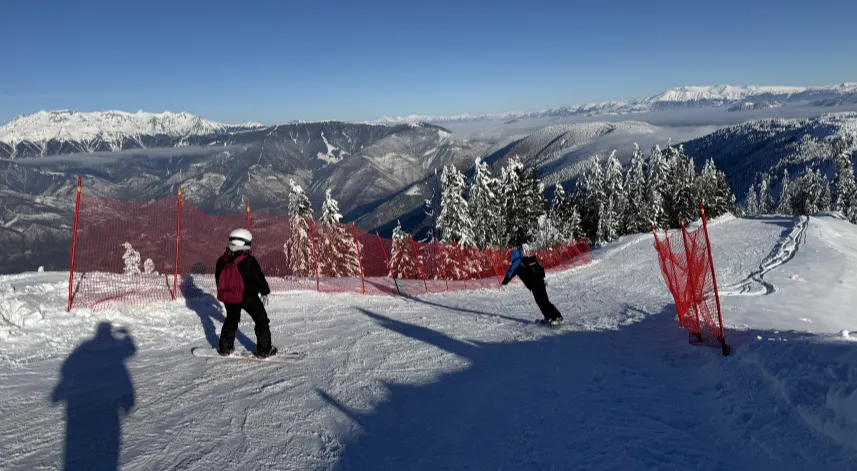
[634, 398]
[97, 390]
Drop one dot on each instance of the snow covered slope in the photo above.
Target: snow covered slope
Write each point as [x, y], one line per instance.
[460, 380]
[680, 97]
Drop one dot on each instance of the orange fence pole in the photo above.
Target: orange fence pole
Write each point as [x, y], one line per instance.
[419, 261]
[437, 247]
[74, 244]
[725, 348]
[359, 260]
[178, 239]
[248, 214]
[314, 256]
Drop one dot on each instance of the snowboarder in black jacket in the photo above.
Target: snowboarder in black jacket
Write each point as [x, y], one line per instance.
[532, 274]
[254, 286]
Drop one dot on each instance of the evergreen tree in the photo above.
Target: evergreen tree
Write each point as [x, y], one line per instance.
[403, 261]
[131, 258]
[535, 206]
[658, 185]
[454, 221]
[751, 202]
[565, 216]
[636, 216]
[723, 200]
[514, 200]
[845, 189]
[766, 200]
[811, 193]
[299, 205]
[681, 202]
[612, 207]
[485, 207]
[784, 206]
[592, 197]
[298, 247]
[337, 254]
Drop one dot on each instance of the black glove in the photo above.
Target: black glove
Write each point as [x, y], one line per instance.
[506, 280]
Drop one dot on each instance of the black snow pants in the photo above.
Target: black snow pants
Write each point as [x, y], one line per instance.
[256, 310]
[540, 294]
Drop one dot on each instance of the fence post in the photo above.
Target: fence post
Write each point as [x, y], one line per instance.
[724, 348]
[461, 262]
[74, 244]
[689, 286]
[178, 239]
[314, 256]
[389, 267]
[359, 260]
[489, 253]
[437, 247]
[419, 262]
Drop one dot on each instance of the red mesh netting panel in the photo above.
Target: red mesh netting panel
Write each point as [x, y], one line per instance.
[131, 252]
[125, 250]
[686, 268]
[375, 255]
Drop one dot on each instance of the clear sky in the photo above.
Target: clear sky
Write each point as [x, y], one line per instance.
[274, 61]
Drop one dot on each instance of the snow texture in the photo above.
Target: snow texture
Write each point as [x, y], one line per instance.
[460, 380]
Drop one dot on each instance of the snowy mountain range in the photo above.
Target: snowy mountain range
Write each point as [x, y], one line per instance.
[58, 132]
[680, 97]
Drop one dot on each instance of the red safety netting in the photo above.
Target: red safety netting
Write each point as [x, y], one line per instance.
[141, 252]
[687, 267]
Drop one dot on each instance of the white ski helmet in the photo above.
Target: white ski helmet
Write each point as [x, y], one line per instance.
[240, 239]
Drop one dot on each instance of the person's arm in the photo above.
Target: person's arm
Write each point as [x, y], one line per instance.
[516, 260]
[264, 289]
[218, 267]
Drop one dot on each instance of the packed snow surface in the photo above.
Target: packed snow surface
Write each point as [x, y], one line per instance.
[460, 380]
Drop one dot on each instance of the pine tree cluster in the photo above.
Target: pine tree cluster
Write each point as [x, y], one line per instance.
[664, 190]
[811, 192]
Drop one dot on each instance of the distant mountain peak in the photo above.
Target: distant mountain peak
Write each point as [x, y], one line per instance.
[68, 125]
[685, 96]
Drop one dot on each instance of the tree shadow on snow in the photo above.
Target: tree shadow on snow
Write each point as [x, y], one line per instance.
[638, 397]
[209, 310]
[97, 389]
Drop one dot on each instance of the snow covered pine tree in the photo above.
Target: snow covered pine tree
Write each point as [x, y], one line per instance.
[485, 207]
[298, 247]
[454, 224]
[337, 254]
[403, 261]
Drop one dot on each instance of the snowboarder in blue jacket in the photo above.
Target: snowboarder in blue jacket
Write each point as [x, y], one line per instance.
[532, 274]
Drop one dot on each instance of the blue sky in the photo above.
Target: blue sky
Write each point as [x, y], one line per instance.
[276, 61]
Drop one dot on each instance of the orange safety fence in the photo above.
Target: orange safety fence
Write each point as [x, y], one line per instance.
[687, 266]
[143, 252]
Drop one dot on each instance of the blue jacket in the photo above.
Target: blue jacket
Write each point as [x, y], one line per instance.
[516, 261]
[528, 276]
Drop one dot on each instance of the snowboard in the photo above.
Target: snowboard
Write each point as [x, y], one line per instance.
[280, 357]
[563, 326]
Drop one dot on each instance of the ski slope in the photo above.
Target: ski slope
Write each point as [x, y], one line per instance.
[461, 380]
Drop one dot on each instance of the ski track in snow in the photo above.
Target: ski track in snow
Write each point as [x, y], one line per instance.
[785, 250]
[447, 381]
